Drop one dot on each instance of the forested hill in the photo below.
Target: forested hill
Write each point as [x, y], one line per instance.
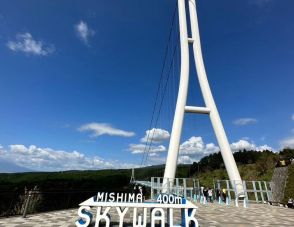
[63, 190]
[252, 165]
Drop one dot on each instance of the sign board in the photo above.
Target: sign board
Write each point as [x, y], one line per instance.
[160, 209]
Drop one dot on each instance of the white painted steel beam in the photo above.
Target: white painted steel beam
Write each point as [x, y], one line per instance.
[190, 40]
[224, 145]
[195, 109]
[173, 151]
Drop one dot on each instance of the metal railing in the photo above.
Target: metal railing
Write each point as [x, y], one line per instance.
[185, 187]
[254, 191]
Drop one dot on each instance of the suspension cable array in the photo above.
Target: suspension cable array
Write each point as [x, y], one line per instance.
[165, 84]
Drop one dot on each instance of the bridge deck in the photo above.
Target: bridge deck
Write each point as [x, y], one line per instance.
[208, 215]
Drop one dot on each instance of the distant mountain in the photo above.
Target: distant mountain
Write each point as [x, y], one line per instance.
[9, 167]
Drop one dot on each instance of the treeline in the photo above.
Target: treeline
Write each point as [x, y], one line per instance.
[263, 159]
[56, 190]
[61, 190]
[67, 180]
[146, 173]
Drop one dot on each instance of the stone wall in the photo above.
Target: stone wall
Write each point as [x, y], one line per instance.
[279, 181]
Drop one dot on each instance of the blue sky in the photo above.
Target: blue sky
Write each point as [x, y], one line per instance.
[78, 80]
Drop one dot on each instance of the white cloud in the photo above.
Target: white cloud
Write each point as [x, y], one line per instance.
[140, 148]
[185, 159]
[156, 159]
[47, 159]
[244, 121]
[83, 31]
[99, 129]
[153, 154]
[287, 143]
[194, 149]
[264, 147]
[195, 146]
[241, 145]
[292, 117]
[245, 145]
[155, 135]
[18, 148]
[25, 43]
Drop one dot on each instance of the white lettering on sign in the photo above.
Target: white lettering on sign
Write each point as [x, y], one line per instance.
[169, 199]
[142, 221]
[170, 214]
[86, 216]
[157, 214]
[121, 214]
[100, 196]
[119, 197]
[106, 201]
[190, 218]
[104, 216]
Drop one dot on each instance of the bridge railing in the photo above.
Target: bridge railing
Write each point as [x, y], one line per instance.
[254, 191]
[185, 187]
[190, 188]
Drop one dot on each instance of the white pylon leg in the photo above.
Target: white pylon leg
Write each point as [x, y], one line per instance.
[217, 125]
[172, 157]
[211, 108]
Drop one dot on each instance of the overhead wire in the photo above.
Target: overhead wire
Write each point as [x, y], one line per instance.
[161, 102]
[158, 88]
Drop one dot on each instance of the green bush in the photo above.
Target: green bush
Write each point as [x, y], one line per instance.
[289, 189]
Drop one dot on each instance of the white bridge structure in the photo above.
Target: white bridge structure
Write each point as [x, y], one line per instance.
[182, 107]
[172, 192]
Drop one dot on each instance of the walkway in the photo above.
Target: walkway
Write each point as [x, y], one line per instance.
[208, 215]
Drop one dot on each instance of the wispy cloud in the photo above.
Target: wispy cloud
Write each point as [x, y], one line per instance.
[287, 142]
[27, 44]
[141, 148]
[244, 121]
[99, 129]
[292, 117]
[47, 159]
[156, 135]
[84, 32]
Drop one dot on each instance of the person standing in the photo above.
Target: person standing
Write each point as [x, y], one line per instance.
[144, 192]
[224, 194]
[218, 194]
[201, 190]
[210, 195]
[136, 189]
[290, 203]
[205, 193]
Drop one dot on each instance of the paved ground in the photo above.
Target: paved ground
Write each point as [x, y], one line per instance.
[207, 215]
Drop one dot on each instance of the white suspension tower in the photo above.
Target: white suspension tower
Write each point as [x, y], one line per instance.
[210, 107]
